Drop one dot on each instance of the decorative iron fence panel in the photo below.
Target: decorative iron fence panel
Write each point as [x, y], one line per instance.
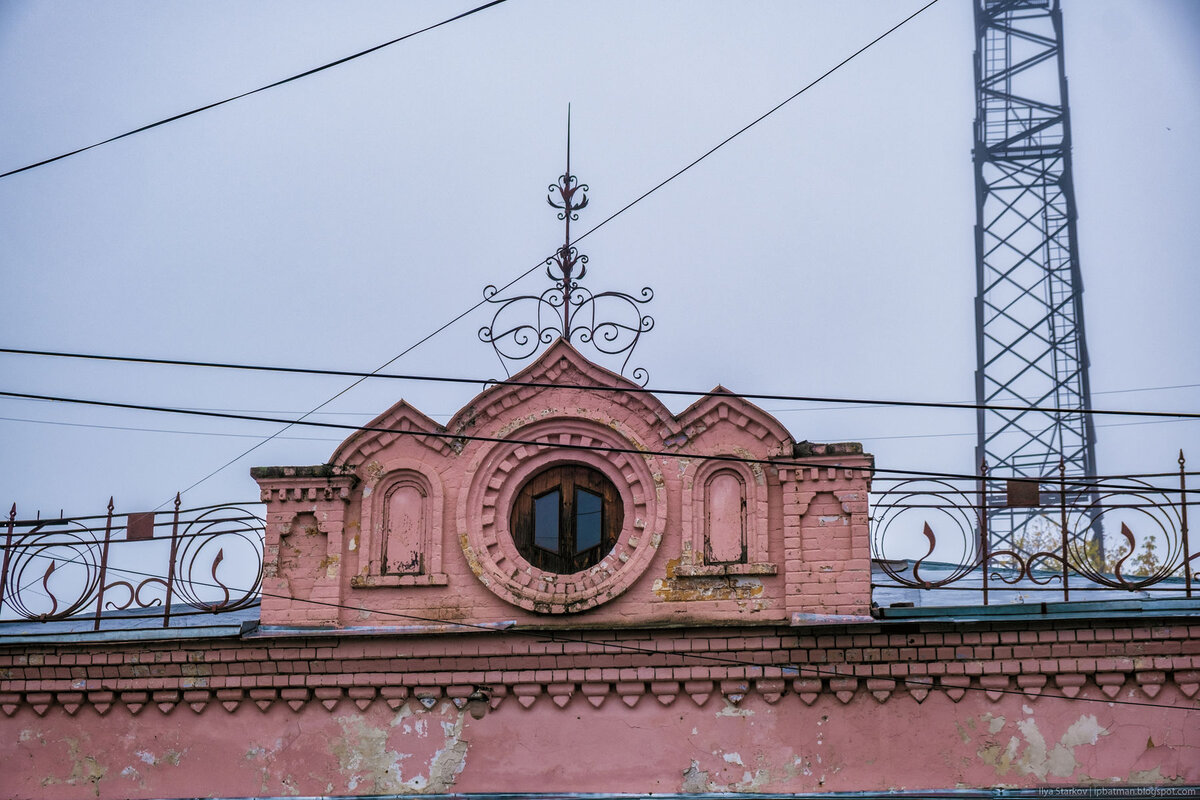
[933, 533]
[927, 534]
[149, 568]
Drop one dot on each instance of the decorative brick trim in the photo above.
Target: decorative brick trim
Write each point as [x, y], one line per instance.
[807, 689]
[279, 485]
[723, 407]
[382, 477]
[501, 469]
[561, 365]
[756, 485]
[871, 663]
[359, 447]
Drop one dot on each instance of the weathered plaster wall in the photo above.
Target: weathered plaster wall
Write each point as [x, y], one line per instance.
[652, 671]
[753, 746]
[872, 707]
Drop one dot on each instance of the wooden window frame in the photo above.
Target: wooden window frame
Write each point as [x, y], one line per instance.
[568, 480]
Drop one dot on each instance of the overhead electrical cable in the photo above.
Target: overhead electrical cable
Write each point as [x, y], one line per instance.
[557, 637]
[602, 223]
[587, 233]
[303, 419]
[450, 435]
[973, 433]
[139, 429]
[228, 435]
[857, 401]
[759, 119]
[315, 70]
[296, 77]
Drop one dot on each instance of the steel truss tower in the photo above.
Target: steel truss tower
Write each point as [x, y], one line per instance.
[1028, 312]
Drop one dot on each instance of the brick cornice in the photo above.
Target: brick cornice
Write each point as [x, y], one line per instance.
[771, 686]
[303, 484]
[864, 663]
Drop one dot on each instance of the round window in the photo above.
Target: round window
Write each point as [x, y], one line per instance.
[566, 518]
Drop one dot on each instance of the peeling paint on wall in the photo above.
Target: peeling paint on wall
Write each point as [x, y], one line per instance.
[367, 765]
[763, 776]
[715, 588]
[85, 770]
[1152, 777]
[451, 759]
[1029, 753]
[364, 761]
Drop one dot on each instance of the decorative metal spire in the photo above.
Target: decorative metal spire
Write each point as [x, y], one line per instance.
[566, 309]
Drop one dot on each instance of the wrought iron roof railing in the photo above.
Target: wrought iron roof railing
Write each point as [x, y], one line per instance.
[932, 534]
[146, 568]
[929, 542]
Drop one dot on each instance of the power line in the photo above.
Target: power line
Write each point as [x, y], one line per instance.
[255, 91]
[1150, 388]
[134, 429]
[278, 83]
[362, 376]
[237, 506]
[287, 424]
[792, 410]
[450, 436]
[973, 433]
[1109, 391]
[226, 434]
[586, 234]
[762, 117]
[553, 636]
[434, 434]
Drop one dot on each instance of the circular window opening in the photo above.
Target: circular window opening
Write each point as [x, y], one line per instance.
[566, 518]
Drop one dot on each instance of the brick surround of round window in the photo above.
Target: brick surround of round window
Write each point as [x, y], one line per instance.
[500, 469]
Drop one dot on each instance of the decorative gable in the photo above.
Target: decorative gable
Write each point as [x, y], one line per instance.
[401, 420]
[561, 368]
[571, 490]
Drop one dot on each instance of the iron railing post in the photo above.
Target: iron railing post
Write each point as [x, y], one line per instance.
[1187, 553]
[984, 539]
[103, 564]
[171, 565]
[12, 521]
[1062, 505]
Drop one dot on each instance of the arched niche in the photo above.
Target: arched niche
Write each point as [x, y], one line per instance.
[725, 521]
[401, 541]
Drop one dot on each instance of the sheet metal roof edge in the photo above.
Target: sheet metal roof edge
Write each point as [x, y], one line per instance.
[285, 632]
[1165, 607]
[126, 635]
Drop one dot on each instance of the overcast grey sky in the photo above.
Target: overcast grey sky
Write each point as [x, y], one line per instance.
[335, 221]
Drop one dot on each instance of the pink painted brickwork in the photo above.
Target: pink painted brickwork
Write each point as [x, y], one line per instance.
[805, 537]
[769, 709]
[676, 664]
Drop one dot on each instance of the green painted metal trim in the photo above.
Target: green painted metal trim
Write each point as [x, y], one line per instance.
[1165, 608]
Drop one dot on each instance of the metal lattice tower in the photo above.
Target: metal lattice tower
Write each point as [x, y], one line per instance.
[1029, 316]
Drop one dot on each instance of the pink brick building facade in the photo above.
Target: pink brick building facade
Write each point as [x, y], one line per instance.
[718, 639]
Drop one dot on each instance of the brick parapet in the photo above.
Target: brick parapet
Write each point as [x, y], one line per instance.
[1102, 659]
[826, 537]
[317, 498]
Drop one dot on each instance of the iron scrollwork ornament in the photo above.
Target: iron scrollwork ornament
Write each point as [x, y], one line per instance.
[612, 322]
[198, 561]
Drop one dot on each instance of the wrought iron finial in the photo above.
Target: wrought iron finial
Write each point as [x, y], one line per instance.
[557, 312]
